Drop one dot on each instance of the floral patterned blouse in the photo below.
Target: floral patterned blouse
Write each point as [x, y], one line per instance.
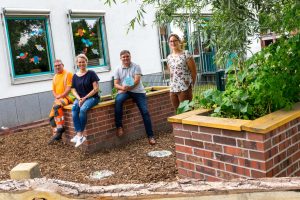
[181, 77]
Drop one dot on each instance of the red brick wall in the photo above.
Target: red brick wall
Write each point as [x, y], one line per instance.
[100, 128]
[218, 154]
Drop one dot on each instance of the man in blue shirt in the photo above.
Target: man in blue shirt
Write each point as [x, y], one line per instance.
[129, 85]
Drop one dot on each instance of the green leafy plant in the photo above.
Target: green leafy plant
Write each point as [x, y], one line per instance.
[148, 90]
[114, 93]
[185, 106]
[147, 87]
[231, 24]
[269, 81]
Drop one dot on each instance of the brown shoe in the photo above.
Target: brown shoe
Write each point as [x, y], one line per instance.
[152, 141]
[120, 132]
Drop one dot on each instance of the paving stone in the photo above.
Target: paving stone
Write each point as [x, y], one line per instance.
[25, 171]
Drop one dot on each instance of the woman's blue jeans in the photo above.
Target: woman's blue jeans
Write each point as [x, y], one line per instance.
[79, 114]
[141, 101]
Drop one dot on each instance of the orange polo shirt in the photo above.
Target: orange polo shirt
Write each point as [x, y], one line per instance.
[58, 85]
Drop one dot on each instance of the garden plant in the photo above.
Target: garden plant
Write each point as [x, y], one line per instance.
[270, 80]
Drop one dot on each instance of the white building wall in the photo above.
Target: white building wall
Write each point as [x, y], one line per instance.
[254, 47]
[142, 41]
[28, 102]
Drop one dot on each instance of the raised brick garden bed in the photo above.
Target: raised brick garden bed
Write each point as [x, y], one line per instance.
[100, 128]
[221, 149]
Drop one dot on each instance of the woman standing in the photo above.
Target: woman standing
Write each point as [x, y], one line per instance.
[182, 72]
[85, 89]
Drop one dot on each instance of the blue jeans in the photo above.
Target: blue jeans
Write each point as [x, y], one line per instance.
[79, 114]
[141, 101]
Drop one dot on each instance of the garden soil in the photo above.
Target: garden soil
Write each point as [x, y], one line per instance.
[129, 162]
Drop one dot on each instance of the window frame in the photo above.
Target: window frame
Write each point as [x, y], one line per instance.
[92, 14]
[20, 13]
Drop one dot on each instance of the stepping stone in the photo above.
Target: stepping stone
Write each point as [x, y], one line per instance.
[159, 154]
[97, 175]
[25, 171]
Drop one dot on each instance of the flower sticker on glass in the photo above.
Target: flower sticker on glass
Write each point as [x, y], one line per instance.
[95, 51]
[22, 56]
[80, 32]
[37, 32]
[87, 42]
[36, 60]
[39, 47]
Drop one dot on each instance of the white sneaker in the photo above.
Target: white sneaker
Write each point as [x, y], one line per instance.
[74, 139]
[80, 140]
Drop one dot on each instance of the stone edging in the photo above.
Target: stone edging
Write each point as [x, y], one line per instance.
[185, 186]
[23, 127]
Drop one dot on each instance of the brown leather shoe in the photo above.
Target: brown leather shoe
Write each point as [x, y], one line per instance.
[120, 132]
[152, 141]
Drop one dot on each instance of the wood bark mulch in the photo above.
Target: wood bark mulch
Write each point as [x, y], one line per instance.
[130, 162]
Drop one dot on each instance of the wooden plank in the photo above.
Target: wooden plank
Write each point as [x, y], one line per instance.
[273, 120]
[180, 117]
[215, 122]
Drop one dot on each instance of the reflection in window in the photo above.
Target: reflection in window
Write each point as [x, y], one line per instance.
[88, 37]
[29, 46]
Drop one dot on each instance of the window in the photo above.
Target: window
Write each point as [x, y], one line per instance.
[194, 40]
[29, 46]
[88, 33]
[268, 39]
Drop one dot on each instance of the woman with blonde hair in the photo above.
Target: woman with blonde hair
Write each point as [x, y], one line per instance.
[85, 88]
[183, 72]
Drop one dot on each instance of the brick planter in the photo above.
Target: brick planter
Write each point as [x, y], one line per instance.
[100, 128]
[222, 149]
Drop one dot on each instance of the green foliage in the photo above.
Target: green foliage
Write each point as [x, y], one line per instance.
[185, 106]
[114, 93]
[232, 22]
[288, 11]
[269, 81]
[147, 87]
[148, 90]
